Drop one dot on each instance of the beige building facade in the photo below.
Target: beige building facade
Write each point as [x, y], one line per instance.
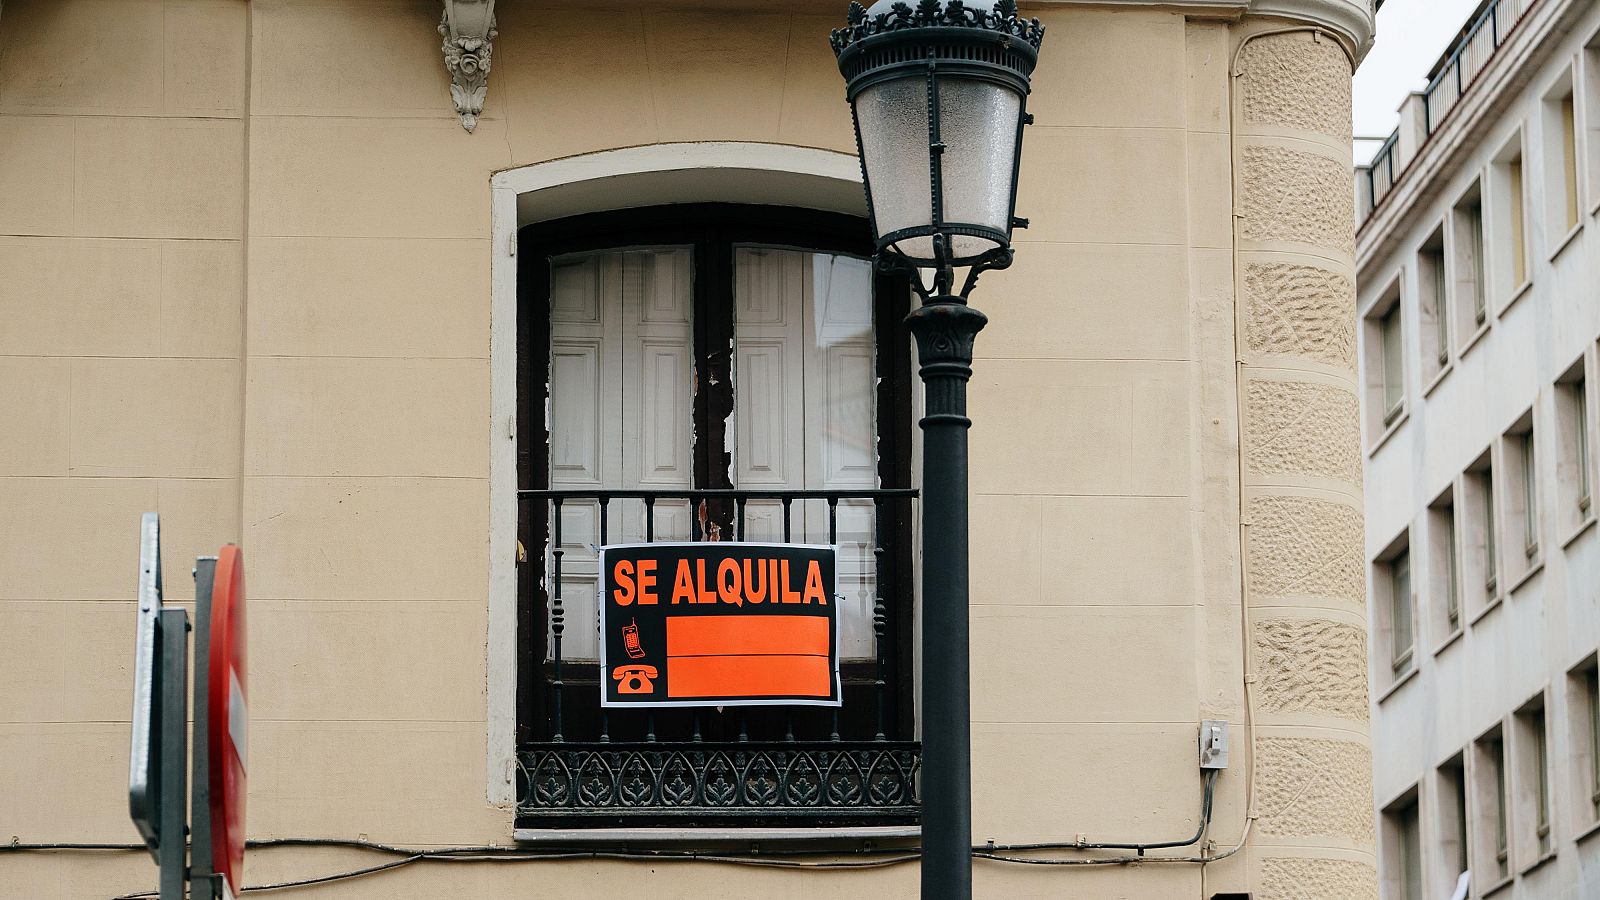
[255, 274]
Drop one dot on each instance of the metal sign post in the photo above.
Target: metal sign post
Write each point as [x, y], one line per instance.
[157, 776]
[174, 786]
[202, 873]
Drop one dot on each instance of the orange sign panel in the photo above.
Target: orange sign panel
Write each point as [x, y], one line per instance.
[719, 624]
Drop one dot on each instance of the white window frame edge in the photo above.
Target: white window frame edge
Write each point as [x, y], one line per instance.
[505, 187]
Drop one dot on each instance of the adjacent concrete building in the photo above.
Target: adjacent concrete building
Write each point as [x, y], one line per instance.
[292, 276]
[1478, 271]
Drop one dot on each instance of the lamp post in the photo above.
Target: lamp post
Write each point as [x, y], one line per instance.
[939, 96]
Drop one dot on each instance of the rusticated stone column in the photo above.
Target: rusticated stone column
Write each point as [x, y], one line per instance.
[1302, 465]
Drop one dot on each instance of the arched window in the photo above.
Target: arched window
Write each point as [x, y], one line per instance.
[712, 372]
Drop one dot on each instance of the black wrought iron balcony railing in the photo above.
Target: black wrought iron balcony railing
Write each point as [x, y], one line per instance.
[584, 765]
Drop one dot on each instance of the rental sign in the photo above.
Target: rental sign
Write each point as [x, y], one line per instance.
[719, 624]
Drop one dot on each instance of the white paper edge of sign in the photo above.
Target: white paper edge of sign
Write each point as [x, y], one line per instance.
[238, 720]
[600, 628]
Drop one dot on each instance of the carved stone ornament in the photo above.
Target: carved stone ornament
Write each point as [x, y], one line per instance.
[468, 31]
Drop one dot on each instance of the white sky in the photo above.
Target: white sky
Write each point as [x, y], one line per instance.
[1412, 34]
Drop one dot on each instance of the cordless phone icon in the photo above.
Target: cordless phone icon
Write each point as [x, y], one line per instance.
[630, 640]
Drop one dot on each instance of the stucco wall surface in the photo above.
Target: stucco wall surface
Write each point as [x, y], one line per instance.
[245, 281]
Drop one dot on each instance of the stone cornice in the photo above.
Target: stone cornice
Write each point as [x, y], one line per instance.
[1350, 19]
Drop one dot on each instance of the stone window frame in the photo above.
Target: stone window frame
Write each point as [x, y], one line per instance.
[1491, 823]
[1445, 586]
[1434, 309]
[1583, 724]
[1589, 124]
[1534, 837]
[1452, 831]
[778, 174]
[1467, 260]
[1561, 169]
[1401, 849]
[1508, 236]
[1382, 329]
[1521, 508]
[1393, 570]
[1478, 524]
[1575, 446]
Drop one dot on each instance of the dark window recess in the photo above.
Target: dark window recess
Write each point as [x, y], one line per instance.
[581, 765]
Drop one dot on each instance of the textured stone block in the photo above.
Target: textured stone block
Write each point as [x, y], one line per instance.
[1155, 682]
[1296, 310]
[147, 417]
[329, 416]
[1079, 184]
[383, 46]
[45, 684]
[149, 177]
[377, 538]
[1311, 787]
[36, 173]
[1305, 547]
[1292, 81]
[97, 518]
[367, 297]
[81, 57]
[35, 401]
[302, 652]
[1297, 197]
[1080, 427]
[1317, 879]
[1125, 64]
[1311, 665]
[1302, 428]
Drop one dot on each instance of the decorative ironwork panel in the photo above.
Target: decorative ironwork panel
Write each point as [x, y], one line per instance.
[743, 783]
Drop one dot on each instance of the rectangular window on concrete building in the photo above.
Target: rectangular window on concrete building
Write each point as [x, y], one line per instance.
[1444, 570]
[1509, 230]
[1590, 124]
[1433, 308]
[1574, 466]
[1532, 755]
[1491, 823]
[1391, 577]
[1468, 279]
[1583, 718]
[1402, 849]
[1383, 341]
[1451, 825]
[1479, 527]
[1520, 514]
[1559, 139]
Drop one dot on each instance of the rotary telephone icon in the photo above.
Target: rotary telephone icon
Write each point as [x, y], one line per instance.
[635, 679]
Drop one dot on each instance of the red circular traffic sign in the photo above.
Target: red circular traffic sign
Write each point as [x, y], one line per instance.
[228, 723]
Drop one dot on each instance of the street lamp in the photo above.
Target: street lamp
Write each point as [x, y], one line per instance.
[939, 95]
